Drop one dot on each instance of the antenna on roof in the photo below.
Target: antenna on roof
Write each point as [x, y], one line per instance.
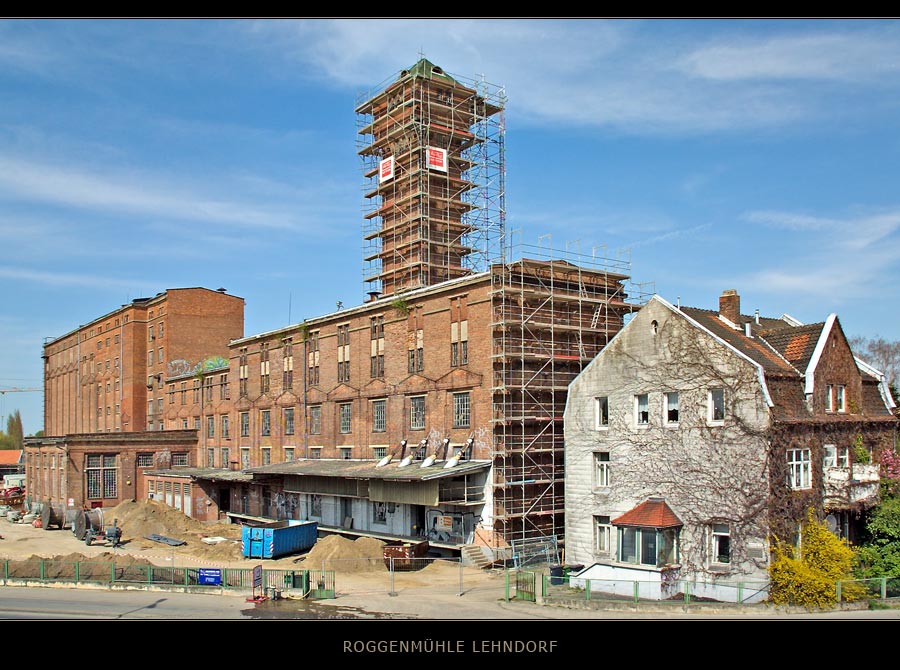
[289, 309]
[678, 301]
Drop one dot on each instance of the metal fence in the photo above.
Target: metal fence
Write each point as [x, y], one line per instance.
[310, 583]
[566, 589]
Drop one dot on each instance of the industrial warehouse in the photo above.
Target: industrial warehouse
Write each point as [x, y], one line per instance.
[431, 411]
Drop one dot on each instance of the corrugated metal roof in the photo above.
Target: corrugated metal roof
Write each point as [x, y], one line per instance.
[368, 469]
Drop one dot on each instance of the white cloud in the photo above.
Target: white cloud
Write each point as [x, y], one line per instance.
[70, 279]
[839, 259]
[847, 57]
[135, 194]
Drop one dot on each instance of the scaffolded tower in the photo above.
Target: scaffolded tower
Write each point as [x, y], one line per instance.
[433, 159]
[552, 314]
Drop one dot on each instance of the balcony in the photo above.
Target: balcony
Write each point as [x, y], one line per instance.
[859, 483]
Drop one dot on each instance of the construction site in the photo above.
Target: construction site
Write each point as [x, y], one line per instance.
[433, 154]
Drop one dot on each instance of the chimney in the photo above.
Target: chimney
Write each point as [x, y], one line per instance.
[730, 306]
[373, 296]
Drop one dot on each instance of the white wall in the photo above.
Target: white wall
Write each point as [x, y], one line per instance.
[704, 472]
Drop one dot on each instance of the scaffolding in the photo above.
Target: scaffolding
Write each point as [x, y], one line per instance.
[552, 314]
[433, 159]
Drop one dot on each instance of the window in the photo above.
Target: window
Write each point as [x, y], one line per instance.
[102, 476]
[150, 337]
[245, 458]
[602, 535]
[377, 366]
[210, 426]
[313, 359]
[642, 409]
[161, 325]
[266, 455]
[207, 389]
[288, 420]
[210, 458]
[716, 405]
[196, 423]
[315, 420]
[346, 453]
[180, 459]
[315, 453]
[315, 505]
[648, 546]
[379, 513]
[224, 393]
[345, 412]
[416, 360]
[245, 424]
[839, 399]
[150, 357]
[159, 406]
[461, 415]
[672, 408]
[145, 460]
[159, 355]
[829, 398]
[224, 452]
[288, 454]
[265, 420]
[601, 469]
[378, 416]
[835, 457]
[196, 391]
[183, 391]
[721, 543]
[343, 344]
[225, 434]
[601, 412]
[243, 371]
[379, 452]
[417, 413]
[799, 476]
[287, 360]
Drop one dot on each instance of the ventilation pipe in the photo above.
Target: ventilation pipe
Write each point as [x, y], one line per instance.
[387, 459]
[412, 454]
[445, 444]
[454, 460]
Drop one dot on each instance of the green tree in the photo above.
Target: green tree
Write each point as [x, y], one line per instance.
[14, 429]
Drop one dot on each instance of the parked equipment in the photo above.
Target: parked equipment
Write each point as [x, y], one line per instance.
[89, 526]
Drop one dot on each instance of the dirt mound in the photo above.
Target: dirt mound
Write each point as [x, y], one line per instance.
[335, 552]
[140, 519]
[63, 567]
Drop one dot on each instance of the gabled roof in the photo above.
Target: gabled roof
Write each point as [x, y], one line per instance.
[796, 344]
[652, 513]
[752, 347]
[10, 456]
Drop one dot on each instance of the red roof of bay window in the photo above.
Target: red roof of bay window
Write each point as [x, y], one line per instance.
[652, 513]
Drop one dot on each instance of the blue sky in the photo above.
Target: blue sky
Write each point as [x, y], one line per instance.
[135, 156]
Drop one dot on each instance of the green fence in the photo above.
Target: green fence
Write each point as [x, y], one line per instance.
[556, 588]
[881, 588]
[310, 583]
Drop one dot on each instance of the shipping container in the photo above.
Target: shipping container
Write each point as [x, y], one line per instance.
[278, 538]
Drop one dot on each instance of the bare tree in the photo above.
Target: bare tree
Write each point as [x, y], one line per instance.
[881, 354]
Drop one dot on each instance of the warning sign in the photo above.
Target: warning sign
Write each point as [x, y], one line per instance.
[386, 170]
[437, 159]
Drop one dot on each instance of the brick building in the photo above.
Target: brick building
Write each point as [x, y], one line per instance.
[107, 375]
[104, 393]
[459, 357]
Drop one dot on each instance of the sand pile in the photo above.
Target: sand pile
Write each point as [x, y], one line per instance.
[139, 519]
[365, 554]
[63, 567]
